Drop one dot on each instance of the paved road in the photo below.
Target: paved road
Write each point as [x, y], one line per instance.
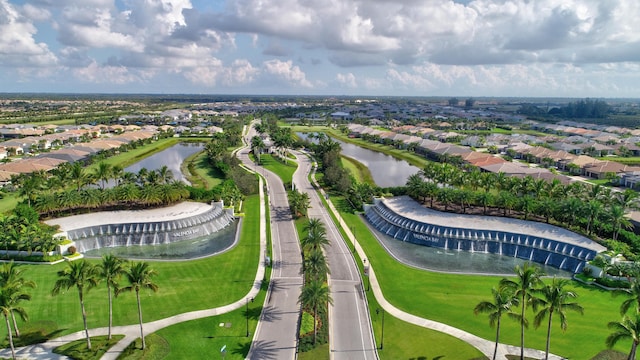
[350, 327]
[276, 335]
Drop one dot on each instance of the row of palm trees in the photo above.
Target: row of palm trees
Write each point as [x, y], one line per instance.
[514, 296]
[315, 292]
[592, 209]
[84, 276]
[21, 234]
[628, 328]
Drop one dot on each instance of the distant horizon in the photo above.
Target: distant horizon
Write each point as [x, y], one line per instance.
[500, 48]
[443, 97]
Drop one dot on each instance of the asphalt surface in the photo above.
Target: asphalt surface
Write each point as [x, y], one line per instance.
[276, 335]
[350, 330]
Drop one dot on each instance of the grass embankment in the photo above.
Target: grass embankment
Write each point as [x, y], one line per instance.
[183, 286]
[450, 298]
[199, 173]
[132, 156]
[357, 169]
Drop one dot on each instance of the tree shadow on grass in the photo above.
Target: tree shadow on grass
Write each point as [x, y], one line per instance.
[35, 332]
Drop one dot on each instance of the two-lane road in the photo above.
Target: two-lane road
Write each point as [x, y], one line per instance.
[350, 327]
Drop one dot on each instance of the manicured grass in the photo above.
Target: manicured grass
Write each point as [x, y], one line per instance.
[183, 286]
[78, 349]
[357, 169]
[450, 298]
[204, 175]
[284, 171]
[156, 348]
[192, 339]
[321, 352]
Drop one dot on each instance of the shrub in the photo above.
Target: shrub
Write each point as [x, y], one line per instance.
[72, 250]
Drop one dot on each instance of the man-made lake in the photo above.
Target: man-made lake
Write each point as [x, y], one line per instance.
[171, 157]
[386, 170]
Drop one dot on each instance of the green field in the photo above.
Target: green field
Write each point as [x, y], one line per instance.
[183, 286]
[284, 171]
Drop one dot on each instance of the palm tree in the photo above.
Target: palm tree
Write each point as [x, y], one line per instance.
[11, 278]
[316, 265]
[555, 299]
[618, 219]
[165, 175]
[83, 276]
[503, 300]
[10, 298]
[628, 328]
[316, 235]
[528, 277]
[313, 295]
[139, 276]
[79, 175]
[634, 295]
[110, 270]
[103, 173]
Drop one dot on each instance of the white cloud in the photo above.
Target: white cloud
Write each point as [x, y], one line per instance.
[17, 44]
[105, 74]
[348, 80]
[287, 72]
[213, 72]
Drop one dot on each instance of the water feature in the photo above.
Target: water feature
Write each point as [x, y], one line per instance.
[386, 170]
[172, 157]
[184, 249]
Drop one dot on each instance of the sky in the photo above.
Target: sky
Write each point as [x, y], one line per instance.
[528, 48]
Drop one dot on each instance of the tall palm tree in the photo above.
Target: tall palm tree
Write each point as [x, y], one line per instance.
[628, 328]
[139, 275]
[316, 235]
[555, 299]
[11, 277]
[110, 271]
[634, 295]
[316, 266]
[527, 279]
[10, 298]
[79, 175]
[618, 218]
[165, 174]
[83, 276]
[503, 300]
[103, 173]
[315, 294]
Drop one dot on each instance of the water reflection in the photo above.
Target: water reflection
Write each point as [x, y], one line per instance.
[438, 259]
[187, 249]
[386, 170]
[171, 157]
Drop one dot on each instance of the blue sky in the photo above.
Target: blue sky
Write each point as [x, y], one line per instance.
[565, 48]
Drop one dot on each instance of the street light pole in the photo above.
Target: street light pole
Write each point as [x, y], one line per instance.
[247, 313]
[382, 334]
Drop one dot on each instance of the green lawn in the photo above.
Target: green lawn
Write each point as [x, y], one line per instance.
[284, 171]
[183, 286]
[357, 169]
[9, 202]
[192, 339]
[450, 298]
[205, 176]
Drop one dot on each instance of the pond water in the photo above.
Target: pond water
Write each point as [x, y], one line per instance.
[171, 157]
[452, 261]
[178, 250]
[386, 170]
